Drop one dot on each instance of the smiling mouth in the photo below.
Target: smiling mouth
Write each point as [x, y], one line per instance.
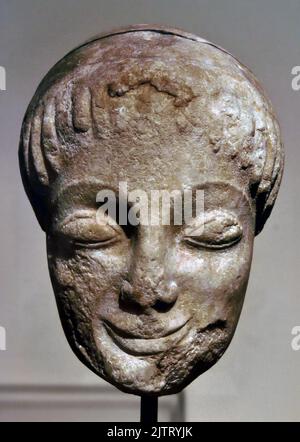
[142, 346]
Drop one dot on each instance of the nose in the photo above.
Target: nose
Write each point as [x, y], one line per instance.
[148, 283]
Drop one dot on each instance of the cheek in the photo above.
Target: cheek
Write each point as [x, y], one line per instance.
[214, 282]
[89, 275]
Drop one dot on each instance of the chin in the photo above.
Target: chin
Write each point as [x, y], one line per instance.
[162, 373]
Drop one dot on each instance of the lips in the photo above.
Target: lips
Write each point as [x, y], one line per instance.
[151, 346]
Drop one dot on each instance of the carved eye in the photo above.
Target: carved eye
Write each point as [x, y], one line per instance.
[217, 229]
[84, 229]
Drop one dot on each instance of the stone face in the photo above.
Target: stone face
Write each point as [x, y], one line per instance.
[149, 307]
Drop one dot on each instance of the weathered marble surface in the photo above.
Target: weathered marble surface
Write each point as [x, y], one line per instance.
[149, 308]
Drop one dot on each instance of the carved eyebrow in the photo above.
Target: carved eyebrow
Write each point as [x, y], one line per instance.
[223, 184]
[87, 184]
[76, 215]
[213, 219]
[222, 211]
[223, 217]
[80, 214]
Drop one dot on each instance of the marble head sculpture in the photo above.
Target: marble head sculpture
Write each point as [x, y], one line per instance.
[150, 307]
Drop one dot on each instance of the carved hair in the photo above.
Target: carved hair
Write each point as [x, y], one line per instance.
[72, 106]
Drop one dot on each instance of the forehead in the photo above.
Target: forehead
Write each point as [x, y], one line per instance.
[175, 163]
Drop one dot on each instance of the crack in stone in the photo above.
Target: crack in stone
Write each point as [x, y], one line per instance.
[120, 90]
